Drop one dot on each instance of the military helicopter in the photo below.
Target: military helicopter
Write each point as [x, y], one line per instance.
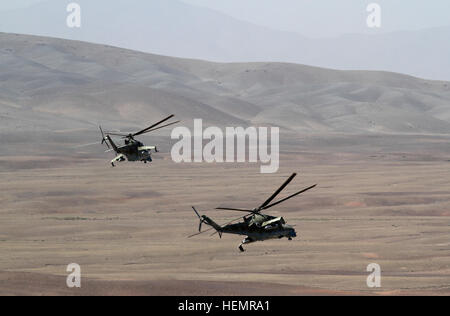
[256, 226]
[133, 150]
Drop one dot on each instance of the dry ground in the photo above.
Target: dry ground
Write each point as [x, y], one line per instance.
[127, 226]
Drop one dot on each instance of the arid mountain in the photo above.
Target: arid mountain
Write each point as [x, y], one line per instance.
[50, 84]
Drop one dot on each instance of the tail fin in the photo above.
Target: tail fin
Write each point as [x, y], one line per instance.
[113, 145]
[106, 139]
[205, 219]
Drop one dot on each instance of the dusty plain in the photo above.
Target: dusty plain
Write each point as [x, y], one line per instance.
[380, 199]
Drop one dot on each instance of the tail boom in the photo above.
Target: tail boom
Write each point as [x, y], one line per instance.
[208, 221]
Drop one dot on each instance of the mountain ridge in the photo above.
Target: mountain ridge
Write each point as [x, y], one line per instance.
[54, 84]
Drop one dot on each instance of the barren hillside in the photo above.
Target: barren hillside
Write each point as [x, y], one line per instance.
[49, 85]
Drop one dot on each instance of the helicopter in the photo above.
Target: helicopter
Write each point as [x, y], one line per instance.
[256, 225]
[133, 150]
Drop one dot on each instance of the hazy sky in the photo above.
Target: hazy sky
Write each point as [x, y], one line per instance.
[319, 17]
[8, 5]
[334, 17]
[190, 29]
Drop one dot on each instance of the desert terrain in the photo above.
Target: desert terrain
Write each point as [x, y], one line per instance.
[127, 226]
[375, 143]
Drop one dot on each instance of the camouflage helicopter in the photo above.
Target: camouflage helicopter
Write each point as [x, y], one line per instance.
[133, 150]
[256, 226]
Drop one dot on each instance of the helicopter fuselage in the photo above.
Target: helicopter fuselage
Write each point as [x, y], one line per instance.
[132, 150]
[261, 227]
[256, 225]
[135, 151]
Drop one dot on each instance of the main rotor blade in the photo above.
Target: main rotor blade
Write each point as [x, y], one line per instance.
[153, 126]
[216, 232]
[154, 129]
[234, 209]
[117, 134]
[291, 196]
[236, 219]
[278, 191]
[86, 145]
[101, 131]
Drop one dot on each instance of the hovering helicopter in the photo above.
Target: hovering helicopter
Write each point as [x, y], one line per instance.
[133, 150]
[256, 226]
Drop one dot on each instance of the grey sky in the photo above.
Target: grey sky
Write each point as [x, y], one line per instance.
[333, 17]
[319, 18]
[10, 5]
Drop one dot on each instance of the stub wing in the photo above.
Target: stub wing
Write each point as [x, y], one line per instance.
[147, 148]
[274, 222]
[118, 158]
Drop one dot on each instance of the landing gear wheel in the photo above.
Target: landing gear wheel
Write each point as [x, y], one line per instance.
[289, 238]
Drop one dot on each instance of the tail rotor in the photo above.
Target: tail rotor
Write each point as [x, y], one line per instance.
[202, 220]
[104, 139]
